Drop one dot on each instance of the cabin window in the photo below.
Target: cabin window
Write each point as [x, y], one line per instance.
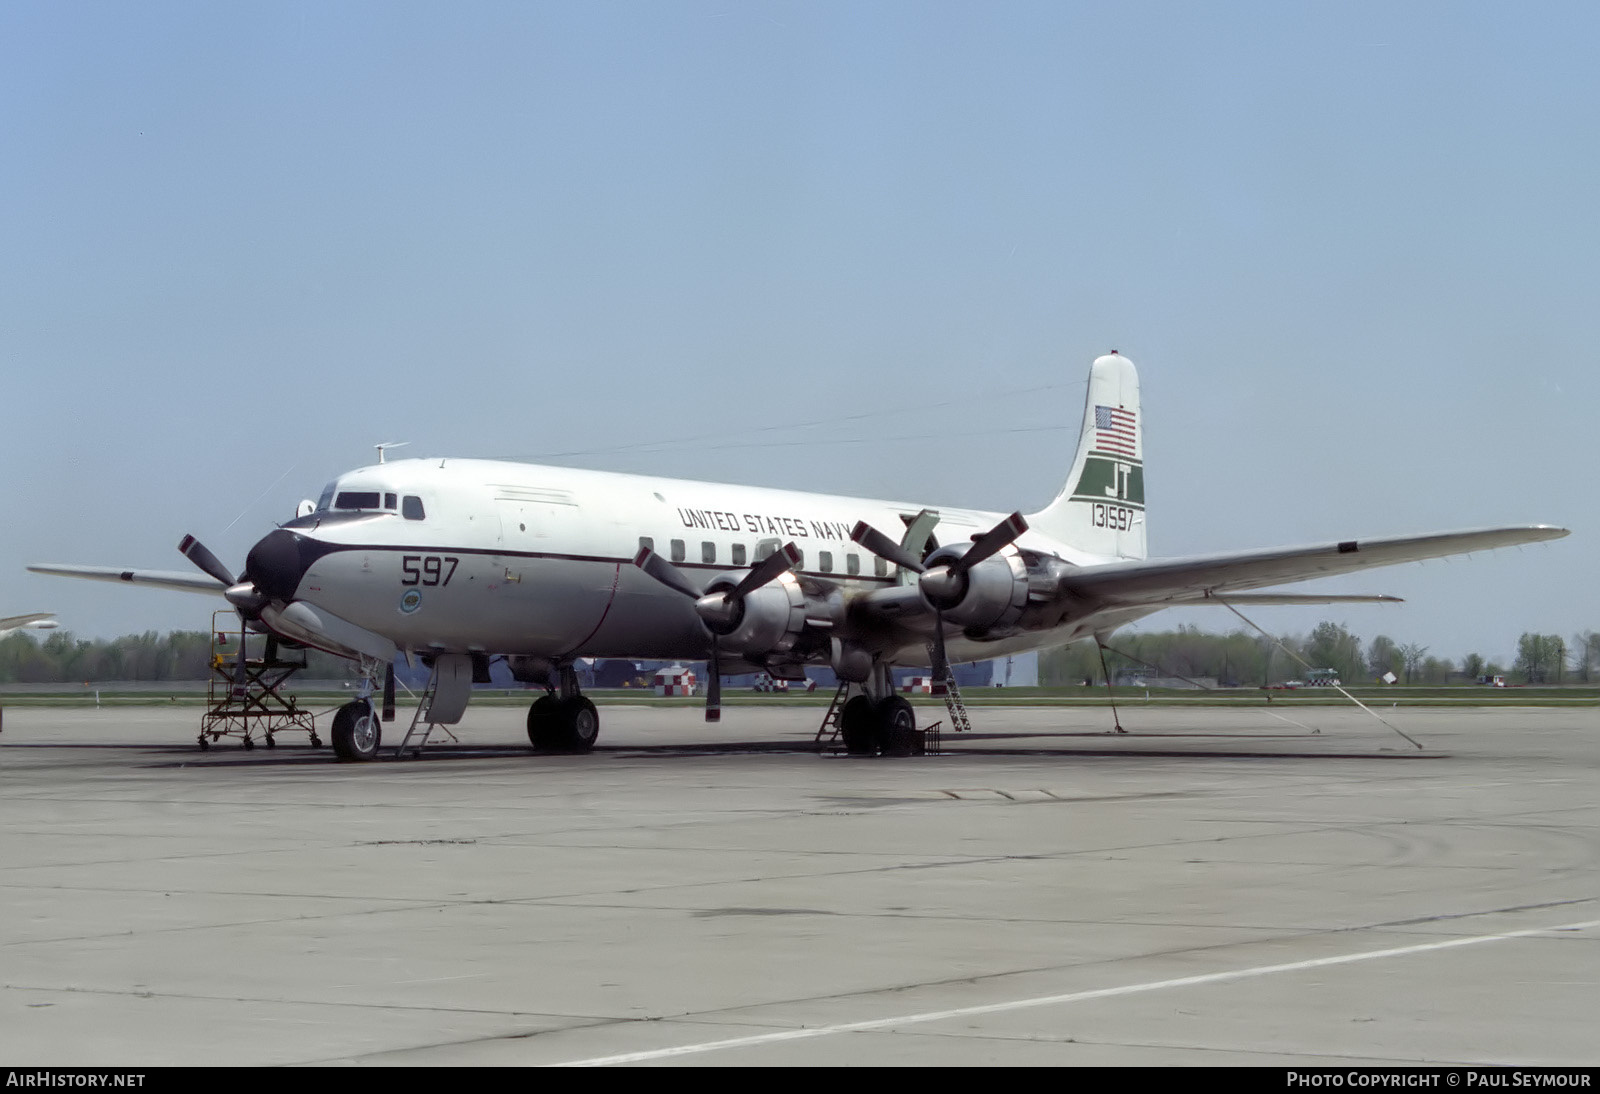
[880, 567]
[708, 552]
[765, 548]
[825, 561]
[852, 564]
[800, 559]
[738, 554]
[411, 507]
[357, 499]
[646, 543]
[679, 551]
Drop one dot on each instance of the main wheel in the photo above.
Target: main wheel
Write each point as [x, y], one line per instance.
[580, 725]
[544, 720]
[565, 725]
[897, 727]
[858, 727]
[356, 732]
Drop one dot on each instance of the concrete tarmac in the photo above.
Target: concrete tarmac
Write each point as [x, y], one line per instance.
[1214, 887]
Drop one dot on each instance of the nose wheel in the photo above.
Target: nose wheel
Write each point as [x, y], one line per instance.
[356, 732]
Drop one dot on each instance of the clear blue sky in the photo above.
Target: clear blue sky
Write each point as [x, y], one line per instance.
[861, 247]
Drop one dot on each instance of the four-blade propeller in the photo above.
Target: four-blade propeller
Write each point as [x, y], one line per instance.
[720, 610]
[943, 584]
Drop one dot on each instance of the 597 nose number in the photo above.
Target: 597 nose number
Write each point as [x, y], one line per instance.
[427, 569]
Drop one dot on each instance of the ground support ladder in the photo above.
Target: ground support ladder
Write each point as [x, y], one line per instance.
[959, 722]
[828, 732]
[259, 704]
[420, 717]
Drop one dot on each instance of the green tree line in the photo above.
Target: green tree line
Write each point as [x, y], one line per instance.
[1246, 659]
[1239, 659]
[179, 655]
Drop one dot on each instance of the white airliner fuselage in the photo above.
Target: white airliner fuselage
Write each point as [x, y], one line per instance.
[529, 560]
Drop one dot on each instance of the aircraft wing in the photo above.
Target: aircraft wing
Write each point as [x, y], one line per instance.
[161, 579]
[12, 622]
[1168, 581]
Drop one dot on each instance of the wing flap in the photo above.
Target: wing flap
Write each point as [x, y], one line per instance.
[161, 579]
[1171, 580]
[1248, 600]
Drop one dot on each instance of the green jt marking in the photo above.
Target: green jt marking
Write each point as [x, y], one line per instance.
[1107, 479]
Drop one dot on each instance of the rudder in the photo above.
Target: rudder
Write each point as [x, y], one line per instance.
[1100, 510]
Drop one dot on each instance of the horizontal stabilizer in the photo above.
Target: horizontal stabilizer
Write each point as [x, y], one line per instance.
[161, 579]
[12, 622]
[1170, 580]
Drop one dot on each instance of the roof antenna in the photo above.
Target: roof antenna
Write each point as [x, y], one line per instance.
[389, 444]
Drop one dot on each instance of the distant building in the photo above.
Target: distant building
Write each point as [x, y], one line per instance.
[674, 680]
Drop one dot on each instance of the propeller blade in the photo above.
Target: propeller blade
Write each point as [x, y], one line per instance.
[196, 552]
[993, 541]
[714, 685]
[884, 547]
[779, 562]
[941, 661]
[240, 679]
[666, 573]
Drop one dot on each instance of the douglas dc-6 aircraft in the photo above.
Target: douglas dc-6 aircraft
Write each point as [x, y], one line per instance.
[458, 561]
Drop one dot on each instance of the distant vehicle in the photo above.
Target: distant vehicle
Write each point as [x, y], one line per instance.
[767, 683]
[1322, 678]
[1492, 681]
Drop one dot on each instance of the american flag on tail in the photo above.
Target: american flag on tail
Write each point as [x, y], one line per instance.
[1113, 430]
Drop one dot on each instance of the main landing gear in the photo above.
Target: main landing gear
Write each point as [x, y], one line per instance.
[563, 720]
[887, 727]
[563, 725]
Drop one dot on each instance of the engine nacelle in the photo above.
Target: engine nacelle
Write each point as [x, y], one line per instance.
[768, 620]
[989, 596]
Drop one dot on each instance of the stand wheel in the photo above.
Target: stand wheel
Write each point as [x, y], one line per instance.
[316, 742]
[204, 744]
[248, 744]
[270, 742]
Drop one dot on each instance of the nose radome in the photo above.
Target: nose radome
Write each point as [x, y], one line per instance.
[277, 563]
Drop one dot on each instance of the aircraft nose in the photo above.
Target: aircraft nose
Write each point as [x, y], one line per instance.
[277, 563]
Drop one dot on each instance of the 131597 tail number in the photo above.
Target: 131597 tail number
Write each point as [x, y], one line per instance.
[1119, 517]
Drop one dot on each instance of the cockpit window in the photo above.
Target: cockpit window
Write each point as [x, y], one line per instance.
[411, 507]
[357, 499]
[388, 501]
[325, 502]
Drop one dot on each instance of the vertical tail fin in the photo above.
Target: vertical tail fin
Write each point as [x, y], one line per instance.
[1100, 510]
